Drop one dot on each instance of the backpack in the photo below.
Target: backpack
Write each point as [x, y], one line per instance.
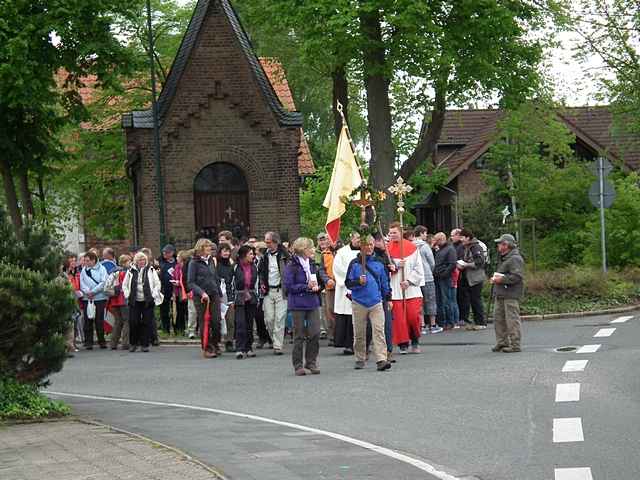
[485, 252]
[111, 283]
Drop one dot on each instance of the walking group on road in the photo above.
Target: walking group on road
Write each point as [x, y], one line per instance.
[371, 297]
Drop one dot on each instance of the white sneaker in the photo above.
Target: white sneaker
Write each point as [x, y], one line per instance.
[436, 329]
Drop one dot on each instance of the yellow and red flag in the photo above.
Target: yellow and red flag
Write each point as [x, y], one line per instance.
[345, 178]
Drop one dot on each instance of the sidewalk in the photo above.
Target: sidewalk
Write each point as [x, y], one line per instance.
[74, 450]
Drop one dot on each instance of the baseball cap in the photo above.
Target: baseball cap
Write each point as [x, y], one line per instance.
[507, 238]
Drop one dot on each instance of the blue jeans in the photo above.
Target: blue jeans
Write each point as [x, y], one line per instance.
[446, 302]
[453, 304]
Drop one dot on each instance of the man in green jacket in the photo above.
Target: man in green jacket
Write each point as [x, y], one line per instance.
[508, 281]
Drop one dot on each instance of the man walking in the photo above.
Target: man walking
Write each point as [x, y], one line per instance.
[429, 305]
[471, 281]
[272, 287]
[167, 265]
[369, 289]
[508, 284]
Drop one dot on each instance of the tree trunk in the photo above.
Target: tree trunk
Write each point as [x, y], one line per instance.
[42, 196]
[25, 193]
[11, 197]
[340, 94]
[378, 106]
[430, 134]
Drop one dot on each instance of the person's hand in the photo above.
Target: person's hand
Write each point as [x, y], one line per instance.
[204, 297]
[392, 268]
[390, 305]
[315, 288]
[496, 280]
[312, 285]
[404, 285]
[263, 289]
[363, 279]
[331, 283]
[91, 295]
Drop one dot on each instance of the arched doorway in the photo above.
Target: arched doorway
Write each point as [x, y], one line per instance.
[221, 199]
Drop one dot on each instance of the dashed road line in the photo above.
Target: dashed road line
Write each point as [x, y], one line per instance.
[575, 365]
[567, 430]
[622, 319]
[568, 392]
[589, 349]
[582, 473]
[604, 332]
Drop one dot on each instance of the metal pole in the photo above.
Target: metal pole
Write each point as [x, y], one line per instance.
[156, 130]
[603, 240]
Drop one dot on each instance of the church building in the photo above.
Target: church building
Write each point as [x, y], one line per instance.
[232, 148]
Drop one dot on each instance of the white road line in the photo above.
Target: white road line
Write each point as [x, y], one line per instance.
[588, 349]
[604, 332]
[583, 473]
[575, 365]
[567, 430]
[401, 457]
[568, 392]
[622, 319]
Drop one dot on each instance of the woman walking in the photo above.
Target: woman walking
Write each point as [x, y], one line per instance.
[141, 287]
[94, 300]
[302, 284]
[118, 306]
[202, 280]
[178, 281]
[242, 292]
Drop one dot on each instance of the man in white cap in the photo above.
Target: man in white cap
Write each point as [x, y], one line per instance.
[508, 281]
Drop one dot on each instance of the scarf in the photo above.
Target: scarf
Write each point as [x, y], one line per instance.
[305, 263]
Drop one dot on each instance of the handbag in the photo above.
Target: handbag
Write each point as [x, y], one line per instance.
[91, 310]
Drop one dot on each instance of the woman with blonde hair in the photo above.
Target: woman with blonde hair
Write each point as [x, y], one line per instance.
[142, 289]
[202, 280]
[301, 280]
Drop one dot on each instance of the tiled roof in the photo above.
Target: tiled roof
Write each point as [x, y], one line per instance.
[467, 134]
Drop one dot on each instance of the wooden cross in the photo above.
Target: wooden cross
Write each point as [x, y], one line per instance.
[229, 211]
[363, 202]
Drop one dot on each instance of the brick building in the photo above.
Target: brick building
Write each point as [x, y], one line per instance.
[468, 134]
[232, 148]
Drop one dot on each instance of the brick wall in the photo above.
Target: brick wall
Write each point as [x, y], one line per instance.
[218, 115]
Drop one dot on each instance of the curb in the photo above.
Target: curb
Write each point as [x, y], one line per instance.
[593, 313]
[218, 475]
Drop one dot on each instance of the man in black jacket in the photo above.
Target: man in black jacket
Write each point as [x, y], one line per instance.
[445, 262]
[271, 276]
[167, 265]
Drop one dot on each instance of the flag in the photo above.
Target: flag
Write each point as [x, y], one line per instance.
[205, 328]
[345, 178]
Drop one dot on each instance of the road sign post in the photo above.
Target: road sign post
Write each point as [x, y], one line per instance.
[602, 195]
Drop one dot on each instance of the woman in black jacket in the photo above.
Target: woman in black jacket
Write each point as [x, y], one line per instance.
[224, 269]
[245, 300]
[202, 280]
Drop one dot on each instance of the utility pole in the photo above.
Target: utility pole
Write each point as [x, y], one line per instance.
[156, 130]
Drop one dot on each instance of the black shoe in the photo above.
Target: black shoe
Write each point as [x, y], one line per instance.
[145, 349]
[89, 347]
[114, 348]
[70, 355]
[331, 343]
[260, 345]
[277, 351]
[347, 351]
[383, 365]
[103, 346]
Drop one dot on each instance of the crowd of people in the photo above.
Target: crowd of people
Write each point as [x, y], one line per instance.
[371, 297]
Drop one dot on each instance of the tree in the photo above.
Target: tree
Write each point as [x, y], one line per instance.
[40, 38]
[610, 30]
[37, 306]
[453, 51]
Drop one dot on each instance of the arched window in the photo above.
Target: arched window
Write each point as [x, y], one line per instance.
[221, 198]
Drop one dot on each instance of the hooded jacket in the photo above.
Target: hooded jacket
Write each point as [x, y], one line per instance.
[512, 267]
[428, 262]
[376, 289]
[474, 258]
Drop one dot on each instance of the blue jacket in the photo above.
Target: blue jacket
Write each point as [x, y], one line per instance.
[94, 283]
[377, 287]
[109, 265]
[299, 297]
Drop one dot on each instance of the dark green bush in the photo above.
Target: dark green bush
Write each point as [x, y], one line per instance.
[36, 305]
[19, 401]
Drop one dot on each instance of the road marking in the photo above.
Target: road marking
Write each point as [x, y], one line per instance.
[604, 332]
[583, 473]
[622, 319]
[568, 392]
[401, 457]
[575, 365]
[588, 349]
[567, 430]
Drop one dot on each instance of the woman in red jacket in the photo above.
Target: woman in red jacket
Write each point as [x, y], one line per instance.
[118, 307]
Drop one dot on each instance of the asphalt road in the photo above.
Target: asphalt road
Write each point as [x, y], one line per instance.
[458, 407]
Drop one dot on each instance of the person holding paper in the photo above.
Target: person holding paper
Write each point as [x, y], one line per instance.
[508, 284]
[472, 279]
[302, 282]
